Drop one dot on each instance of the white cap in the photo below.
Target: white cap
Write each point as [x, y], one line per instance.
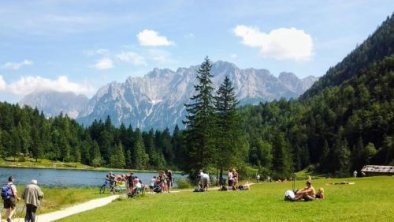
[34, 182]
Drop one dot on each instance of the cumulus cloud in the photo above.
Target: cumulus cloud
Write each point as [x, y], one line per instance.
[28, 84]
[131, 57]
[2, 84]
[282, 43]
[16, 65]
[152, 38]
[103, 64]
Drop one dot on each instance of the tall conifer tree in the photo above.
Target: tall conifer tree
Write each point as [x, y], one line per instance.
[200, 122]
[228, 123]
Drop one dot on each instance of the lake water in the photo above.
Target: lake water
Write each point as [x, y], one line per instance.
[64, 178]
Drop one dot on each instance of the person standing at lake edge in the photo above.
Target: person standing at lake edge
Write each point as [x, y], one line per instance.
[32, 196]
[10, 202]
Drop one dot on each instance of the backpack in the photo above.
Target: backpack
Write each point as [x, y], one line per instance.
[6, 192]
[289, 195]
[157, 189]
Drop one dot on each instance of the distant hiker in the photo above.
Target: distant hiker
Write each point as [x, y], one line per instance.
[169, 179]
[130, 183]
[112, 181]
[230, 178]
[9, 195]
[355, 173]
[204, 181]
[257, 178]
[32, 196]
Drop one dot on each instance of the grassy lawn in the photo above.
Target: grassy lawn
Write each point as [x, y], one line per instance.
[369, 199]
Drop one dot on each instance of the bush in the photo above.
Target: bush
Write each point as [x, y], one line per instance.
[247, 172]
[183, 183]
[21, 159]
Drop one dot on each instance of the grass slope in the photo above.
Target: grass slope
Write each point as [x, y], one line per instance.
[369, 199]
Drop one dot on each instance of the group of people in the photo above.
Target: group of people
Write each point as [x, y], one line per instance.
[163, 182]
[160, 183]
[32, 195]
[120, 182]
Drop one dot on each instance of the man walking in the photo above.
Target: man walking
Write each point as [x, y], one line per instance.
[10, 197]
[32, 196]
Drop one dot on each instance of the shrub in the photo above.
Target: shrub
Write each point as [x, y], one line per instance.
[183, 183]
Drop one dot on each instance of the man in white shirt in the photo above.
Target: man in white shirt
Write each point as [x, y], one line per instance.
[204, 180]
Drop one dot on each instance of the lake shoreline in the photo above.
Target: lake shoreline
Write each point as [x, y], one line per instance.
[69, 166]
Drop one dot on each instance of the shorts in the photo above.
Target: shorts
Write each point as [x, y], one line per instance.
[308, 198]
[9, 203]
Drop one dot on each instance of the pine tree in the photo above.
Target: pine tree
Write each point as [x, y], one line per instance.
[96, 155]
[117, 158]
[228, 123]
[281, 162]
[139, 158]
[200, 122]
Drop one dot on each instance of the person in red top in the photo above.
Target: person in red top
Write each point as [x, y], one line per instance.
[10, 203]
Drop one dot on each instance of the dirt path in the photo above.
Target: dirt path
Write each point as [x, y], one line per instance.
[73, 210]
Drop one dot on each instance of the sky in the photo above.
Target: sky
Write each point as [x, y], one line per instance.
[81, 45]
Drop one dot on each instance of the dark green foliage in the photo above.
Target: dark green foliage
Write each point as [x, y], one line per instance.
[228, 134]
[200, 122]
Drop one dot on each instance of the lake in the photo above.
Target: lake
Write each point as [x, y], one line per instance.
[65, 178]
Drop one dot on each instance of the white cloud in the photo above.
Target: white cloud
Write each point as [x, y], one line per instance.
[282, 43]
[16, 65]
[131, 57]
[28, 84]
[2, 83]
[104, 63]
[152, 38]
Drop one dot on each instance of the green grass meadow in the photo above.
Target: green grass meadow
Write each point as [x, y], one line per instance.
[57, 198]
[369, 199]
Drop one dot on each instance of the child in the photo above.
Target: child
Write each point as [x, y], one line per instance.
[320, 194]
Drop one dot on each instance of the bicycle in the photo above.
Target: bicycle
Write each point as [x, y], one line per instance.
[107, 185]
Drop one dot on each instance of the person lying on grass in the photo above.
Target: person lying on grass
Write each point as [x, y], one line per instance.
[307, 193]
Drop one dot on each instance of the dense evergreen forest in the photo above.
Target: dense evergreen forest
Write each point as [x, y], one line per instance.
[342, 123]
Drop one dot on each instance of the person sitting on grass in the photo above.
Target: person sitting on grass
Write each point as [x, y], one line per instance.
[320, 194]
[307, 193]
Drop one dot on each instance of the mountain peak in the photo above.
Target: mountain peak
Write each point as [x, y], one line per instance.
[157, 99]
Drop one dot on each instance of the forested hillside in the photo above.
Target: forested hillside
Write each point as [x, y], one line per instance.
[338, 130]
[372, 50]
[26, 132]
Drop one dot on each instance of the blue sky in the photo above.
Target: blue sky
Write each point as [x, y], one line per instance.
[78, 46]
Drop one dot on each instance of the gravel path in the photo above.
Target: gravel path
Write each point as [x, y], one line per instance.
[73, 210]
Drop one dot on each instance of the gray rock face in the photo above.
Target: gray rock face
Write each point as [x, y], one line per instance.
[157, 99]
[53, 103]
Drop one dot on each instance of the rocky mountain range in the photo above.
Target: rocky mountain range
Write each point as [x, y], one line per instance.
[157, 99]
[52, 103]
